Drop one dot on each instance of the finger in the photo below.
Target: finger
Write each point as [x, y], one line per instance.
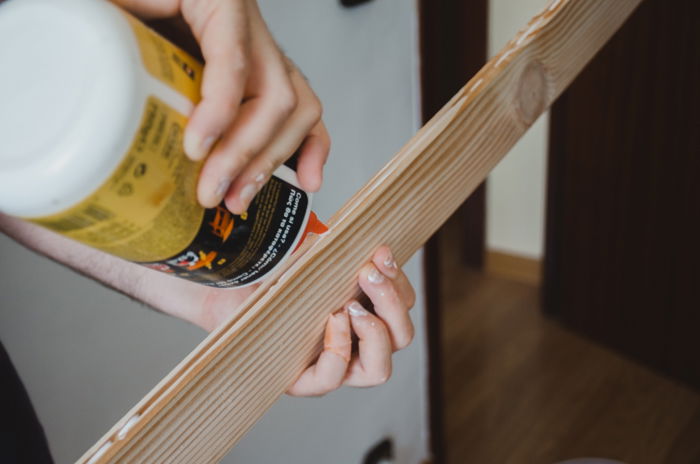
[388, 305]
[384, 260]
[293, 132]
[372, 366]
[312, 157]
[329, 371]
[222, 30]
[152, 9]
[259, 119]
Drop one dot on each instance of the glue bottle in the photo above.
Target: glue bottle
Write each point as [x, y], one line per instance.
[93, 106]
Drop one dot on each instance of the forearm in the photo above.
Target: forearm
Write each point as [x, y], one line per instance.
[152, 288]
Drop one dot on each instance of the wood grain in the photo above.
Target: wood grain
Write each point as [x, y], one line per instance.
[215, 395]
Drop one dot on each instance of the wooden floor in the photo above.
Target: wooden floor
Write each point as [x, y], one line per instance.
[521, 389]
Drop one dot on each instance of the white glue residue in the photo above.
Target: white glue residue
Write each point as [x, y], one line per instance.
[554, 5]
[100, 452]
[504, 56]
[128, 426]
[475, 87]
[533, 28]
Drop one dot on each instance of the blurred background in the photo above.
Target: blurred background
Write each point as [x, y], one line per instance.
[557, 312]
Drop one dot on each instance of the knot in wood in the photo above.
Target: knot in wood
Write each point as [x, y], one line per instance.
[531, 97]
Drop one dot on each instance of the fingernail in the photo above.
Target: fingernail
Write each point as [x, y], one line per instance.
[356, 310]
[208, 144]
[375, 276]
[260, 178]
[390, 266]
[389, 262]
[222, 188]
[196, 147]
[247, 194]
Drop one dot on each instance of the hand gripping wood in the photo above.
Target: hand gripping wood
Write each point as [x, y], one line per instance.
[215, 395]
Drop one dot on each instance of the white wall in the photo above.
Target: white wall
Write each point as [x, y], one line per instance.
[363, 64]
[515, 201]
[87, 354]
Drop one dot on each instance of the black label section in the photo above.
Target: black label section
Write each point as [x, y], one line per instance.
[231, 250]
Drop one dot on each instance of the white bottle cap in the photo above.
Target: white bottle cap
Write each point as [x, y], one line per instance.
[70, 101]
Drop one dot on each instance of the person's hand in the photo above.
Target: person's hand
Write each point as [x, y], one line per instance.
[256, 108]
[380, 334]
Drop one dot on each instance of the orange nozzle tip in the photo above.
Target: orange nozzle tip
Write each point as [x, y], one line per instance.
[315, 226]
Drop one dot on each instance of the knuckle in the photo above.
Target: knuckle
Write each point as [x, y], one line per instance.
[287, 101]
[309, 118]
[245, 155]
[221, 108]
[407, 339]
[236, 160]
[377, 327]
[314, 110]
[411, 299]
[228, 106]
[269, 165]
[398, 304]
[200, 12]
[232, 66]
[314, 116]
[328, 385]
[239, 62]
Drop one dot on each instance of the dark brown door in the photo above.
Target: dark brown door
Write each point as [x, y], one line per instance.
[623, 232]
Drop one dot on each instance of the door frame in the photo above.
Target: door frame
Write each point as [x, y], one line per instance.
[453, 47]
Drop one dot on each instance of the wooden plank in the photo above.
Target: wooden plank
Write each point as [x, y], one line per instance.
[215, 395]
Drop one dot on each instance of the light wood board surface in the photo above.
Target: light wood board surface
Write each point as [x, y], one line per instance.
[215, 395]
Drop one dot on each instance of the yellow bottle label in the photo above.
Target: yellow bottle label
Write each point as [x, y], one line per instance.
[152, 189]
[147, 210]
[168, 63]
